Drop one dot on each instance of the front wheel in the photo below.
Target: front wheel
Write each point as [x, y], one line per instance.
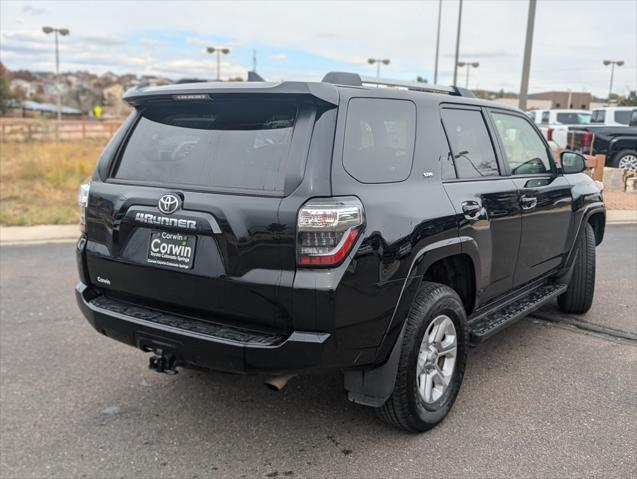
[578, 297]
[432, 361]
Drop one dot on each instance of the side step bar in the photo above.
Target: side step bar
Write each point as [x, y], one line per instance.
[490, 322]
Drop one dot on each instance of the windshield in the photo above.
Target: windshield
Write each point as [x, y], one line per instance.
[226, 145]
[574, 118]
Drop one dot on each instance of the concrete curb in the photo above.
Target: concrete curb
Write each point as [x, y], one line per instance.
[621, 216]
[69, 233]
[39, 234]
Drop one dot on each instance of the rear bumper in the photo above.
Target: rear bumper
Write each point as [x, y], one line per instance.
[196, 343]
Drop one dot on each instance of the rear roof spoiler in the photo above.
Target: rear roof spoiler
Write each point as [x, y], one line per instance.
[196, 91]
[354, 79]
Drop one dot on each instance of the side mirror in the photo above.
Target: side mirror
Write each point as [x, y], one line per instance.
[572, 162]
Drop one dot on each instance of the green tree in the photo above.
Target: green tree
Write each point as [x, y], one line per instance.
[6, 98]
[630, 100]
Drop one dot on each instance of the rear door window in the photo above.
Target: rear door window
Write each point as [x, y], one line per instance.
[598, 116]
[223, 145]
[471, 146]
[379, 139]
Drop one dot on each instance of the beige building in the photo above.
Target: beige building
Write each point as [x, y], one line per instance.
[565, 99]
[530, 104]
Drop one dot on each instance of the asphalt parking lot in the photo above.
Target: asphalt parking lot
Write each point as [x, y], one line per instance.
[552, 396]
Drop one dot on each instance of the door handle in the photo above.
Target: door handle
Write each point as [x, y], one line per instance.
[472, 210]
[528, 202]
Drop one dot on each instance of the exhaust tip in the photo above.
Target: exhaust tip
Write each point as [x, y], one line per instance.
[278, 383]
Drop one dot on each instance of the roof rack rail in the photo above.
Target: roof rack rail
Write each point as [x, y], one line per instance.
[354, 79]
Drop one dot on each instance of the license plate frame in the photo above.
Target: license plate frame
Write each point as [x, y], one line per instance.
[171, 249]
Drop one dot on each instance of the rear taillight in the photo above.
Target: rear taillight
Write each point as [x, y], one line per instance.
[82, 199]
[587, 138]
[327, 229]
[549, 134]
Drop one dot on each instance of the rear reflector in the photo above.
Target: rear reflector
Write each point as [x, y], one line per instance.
[549, 134]
[327, 229]
[82, 199]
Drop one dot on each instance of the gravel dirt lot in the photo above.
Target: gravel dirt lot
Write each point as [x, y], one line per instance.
[545, 398]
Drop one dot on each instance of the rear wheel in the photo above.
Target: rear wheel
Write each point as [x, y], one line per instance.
[432, 361]
[578, 298]
[626, 159]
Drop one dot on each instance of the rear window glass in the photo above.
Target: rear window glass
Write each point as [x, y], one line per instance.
[379, 139]
[572, 118]
[623, 116]
[225, 145]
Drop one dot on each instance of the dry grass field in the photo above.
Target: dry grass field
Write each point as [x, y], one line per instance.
[39, 181]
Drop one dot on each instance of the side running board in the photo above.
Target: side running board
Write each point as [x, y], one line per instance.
[489, 323]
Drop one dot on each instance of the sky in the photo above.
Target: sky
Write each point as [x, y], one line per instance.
[303, 40]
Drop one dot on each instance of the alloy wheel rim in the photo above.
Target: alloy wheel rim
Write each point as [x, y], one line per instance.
[628, 162]
[436, 359]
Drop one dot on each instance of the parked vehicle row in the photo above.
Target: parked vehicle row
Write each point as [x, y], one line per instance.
[611, 131]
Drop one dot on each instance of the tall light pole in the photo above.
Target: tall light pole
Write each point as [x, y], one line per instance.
[455, 63]
[218, 51]
[469, 65]
[612, 64]
[63, 32]
[528, 46]
[378, 61]
[437, 42]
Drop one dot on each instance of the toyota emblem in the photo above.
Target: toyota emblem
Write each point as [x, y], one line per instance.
[168, 204]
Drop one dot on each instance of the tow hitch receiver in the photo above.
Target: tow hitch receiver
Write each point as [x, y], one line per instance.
[163, 362]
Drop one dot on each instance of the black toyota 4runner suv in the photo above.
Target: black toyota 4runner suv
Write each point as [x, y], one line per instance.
[375, 227]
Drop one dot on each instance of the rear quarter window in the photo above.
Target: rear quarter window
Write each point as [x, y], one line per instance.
[379, 139]
[624, 116]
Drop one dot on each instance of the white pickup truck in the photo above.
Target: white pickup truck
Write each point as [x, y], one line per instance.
[614, 116]
[554, 123]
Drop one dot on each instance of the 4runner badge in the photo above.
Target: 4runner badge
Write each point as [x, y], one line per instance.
[168, 204]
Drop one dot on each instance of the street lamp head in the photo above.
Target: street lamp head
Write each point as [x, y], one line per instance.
[47, 30]
[386, 61]
[607, 62]
[475, 64]
[620, 63]
[64, 31]
[225, 51]
[211, 49]
[371, 61]
[461, 64]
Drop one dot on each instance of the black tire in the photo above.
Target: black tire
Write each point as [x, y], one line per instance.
[578, 298]
[405, 408]
[620, 155]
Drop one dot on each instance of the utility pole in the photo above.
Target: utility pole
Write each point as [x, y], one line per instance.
[469, 65]
[218, 51]
[378, 61]
[528, 46]
[455, 63]
[612, 64]
[63, 32]
[438, 42]
[254, 61]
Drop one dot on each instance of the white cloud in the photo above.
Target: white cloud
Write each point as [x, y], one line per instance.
[279, 57]
[569, 45]
[31, 10]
